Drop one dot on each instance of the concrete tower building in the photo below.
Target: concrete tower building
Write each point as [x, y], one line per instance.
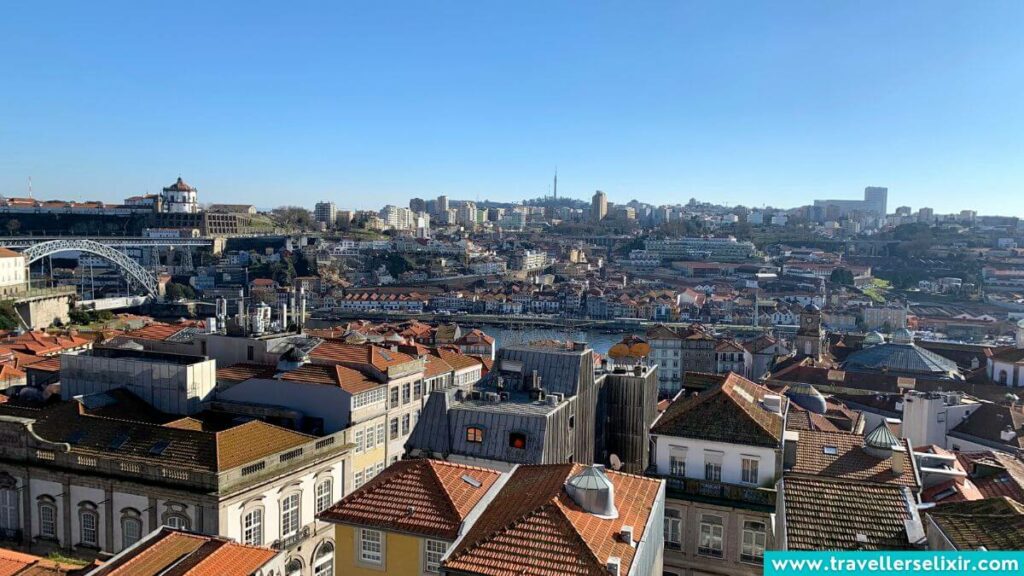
[599, 206]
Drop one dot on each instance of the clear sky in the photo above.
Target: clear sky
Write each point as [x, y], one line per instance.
[366, 103]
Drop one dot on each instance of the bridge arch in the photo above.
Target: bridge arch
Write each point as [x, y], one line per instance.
[132, 269]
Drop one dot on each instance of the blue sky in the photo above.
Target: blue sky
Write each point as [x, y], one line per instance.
[367, 103]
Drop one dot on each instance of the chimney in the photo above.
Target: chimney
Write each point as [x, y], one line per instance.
[897, 461]
[638, 370]
[626, 533]
[613, 564]
[790, 439]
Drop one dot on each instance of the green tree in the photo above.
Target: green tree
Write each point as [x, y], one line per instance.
[841, 276]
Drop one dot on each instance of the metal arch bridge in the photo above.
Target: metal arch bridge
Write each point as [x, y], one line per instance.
[132, 269]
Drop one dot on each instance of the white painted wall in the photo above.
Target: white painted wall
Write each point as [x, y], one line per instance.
[731, 459]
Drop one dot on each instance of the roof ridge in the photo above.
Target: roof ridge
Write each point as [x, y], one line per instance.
[743, 407]
[558, 506]
[444, 490]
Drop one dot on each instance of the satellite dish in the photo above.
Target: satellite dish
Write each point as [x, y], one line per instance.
[616, 463]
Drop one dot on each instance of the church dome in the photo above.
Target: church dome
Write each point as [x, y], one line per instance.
[807, 397]
[873, 339]
[903, 336]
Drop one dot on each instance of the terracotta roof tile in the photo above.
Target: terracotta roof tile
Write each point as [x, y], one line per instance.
[252, 441]
[244, 371]
[159, 332]
[730, 412]
[829, 514]
[995, 524]
[534, 527]
[850, 460]
[177, 553]
[426, 497]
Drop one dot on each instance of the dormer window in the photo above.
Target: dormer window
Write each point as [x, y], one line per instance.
[474, 435]
[517, 440]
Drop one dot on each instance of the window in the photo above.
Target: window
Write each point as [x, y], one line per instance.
[358, 479]
[434, 551]
[713, 466]
[474, 435]
[417, 390]
[47, 520]
[394, 396]
[369, 397]
[250, 353]
[749, 475]
[371, 546]
[359, 441]
[324, 495]
[323, 560]
[517, 440]
[709, 542]
[382, 437]
[88, 527]
[290, 520]
[673, 529]
[754, 538]
[405, 424]
[394, 428]
[677, 461]
[252, 527]
[9, 517]
[406, 393]
[293, 567]
[131, 529]
[371, 439]
[177, 521]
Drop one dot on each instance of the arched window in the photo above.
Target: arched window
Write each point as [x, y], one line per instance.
[252, 527]
[88, 524]
[323, 560]
[293, 567]
[47, 518]
[9, 517]
[324, 494]
[176, 521]
[131, 527]
[474, 435]
[290, 517]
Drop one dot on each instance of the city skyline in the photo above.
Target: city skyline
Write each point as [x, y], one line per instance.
[728, 103]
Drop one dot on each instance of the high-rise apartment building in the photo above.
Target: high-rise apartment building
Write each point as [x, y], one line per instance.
[325, 212]
[599, 206]
[874, 203]
[442, 205]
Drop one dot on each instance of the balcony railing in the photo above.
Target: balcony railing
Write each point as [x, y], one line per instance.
[292, 540]
[676, 486]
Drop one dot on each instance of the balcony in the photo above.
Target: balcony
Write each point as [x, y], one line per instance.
[10, 535]
[719, 492]
[292, 540]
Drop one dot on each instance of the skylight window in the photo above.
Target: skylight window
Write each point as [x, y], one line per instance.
[118, 441]
[159, 447]
[471, 481]
[830, 450]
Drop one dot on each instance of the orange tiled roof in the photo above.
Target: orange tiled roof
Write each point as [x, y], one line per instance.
[244, 371]
[19, 564]
[8, 253]
[533, 527]
[332, 351]
[428, 497]
[252, 441]
[850, 462]
[352, 381]
[159, 332]
[187, 554]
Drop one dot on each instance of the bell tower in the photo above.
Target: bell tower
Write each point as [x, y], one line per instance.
[810, 338]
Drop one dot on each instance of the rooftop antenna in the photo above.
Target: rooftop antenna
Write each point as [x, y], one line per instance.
[556, 182]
